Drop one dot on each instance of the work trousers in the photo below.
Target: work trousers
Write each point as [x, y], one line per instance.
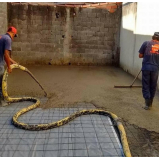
[149, 83]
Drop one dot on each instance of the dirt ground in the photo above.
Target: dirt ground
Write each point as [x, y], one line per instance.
[67, 85]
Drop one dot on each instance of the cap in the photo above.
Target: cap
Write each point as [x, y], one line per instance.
[14, 30]
[156, 34]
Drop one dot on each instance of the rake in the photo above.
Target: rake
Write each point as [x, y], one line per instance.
[131, 86]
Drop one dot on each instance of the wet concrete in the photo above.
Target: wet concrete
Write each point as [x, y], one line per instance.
[142, 143]
[73, 84]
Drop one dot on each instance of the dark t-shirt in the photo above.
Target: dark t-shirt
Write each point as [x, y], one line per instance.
[5, 44]
[150, 51]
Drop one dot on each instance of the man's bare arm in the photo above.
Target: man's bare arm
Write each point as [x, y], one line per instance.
[7, 60]
[12, 61]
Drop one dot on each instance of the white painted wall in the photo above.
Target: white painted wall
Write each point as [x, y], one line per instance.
[139, 22]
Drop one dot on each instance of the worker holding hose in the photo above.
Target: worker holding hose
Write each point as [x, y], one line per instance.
[5, 50]
[149, 51]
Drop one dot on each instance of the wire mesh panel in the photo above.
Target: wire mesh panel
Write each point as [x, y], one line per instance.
[85, 136]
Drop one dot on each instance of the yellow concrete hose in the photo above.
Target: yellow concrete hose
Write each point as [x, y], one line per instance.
[60, 122]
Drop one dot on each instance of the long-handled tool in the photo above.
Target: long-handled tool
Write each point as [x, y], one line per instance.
[131, 86]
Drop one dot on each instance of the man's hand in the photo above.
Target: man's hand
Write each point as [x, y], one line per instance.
[12, 61]
[9, 70]
[141, 55]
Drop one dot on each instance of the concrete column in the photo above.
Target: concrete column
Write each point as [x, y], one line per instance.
[67, 38]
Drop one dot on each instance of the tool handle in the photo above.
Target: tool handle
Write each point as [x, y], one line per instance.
[135, 78]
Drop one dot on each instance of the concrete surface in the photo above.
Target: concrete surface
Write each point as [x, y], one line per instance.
[142, 143]
[71, 84]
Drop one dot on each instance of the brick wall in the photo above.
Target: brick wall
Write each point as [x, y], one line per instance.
[89, 37]
[3, 17]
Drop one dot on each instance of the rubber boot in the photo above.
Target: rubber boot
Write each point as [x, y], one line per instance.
[147, 104]
[151, 101]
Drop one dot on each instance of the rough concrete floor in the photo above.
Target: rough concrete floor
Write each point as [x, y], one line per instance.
[72, 84]
[142, 143]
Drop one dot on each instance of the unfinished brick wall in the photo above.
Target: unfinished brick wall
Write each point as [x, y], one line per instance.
[75, 36]
[3, 17]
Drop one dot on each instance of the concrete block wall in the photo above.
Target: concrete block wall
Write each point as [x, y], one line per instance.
[95, 36]
[3, 17]
[88, 37]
